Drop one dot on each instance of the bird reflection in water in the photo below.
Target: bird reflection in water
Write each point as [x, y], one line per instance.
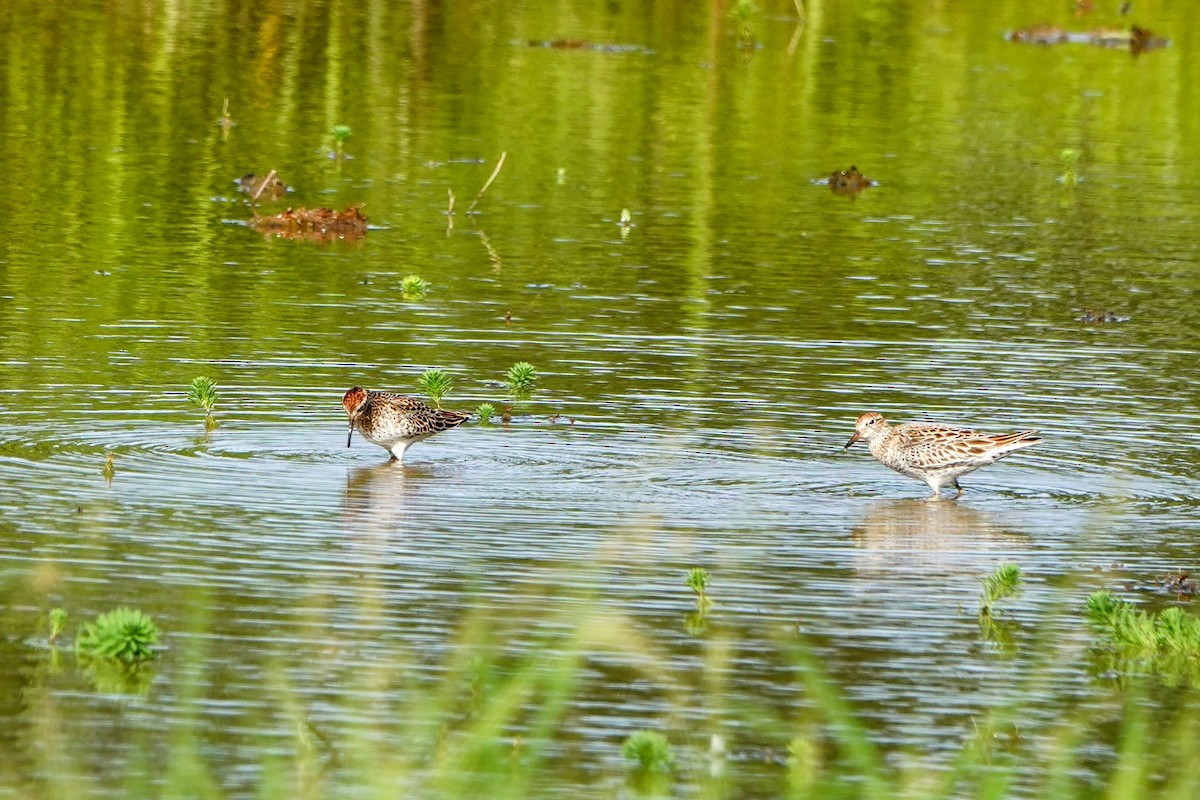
[938, 538]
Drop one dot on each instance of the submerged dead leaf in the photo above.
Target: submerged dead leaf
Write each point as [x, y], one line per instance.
[314, 224]
[848, 181]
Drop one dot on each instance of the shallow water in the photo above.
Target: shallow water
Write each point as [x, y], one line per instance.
[700, 369]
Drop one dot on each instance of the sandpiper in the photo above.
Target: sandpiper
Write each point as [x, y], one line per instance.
[395, 421]
[936, 454]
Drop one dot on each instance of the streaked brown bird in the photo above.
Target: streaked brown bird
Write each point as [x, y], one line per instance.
[936, 454]
[395, 421]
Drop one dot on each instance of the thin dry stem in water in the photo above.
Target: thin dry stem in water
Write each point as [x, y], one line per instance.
[495, 172]
[262, 187]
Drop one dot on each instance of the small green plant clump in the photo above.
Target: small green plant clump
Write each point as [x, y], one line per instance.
[58, 621]
[1069, 156]
[485, 412]
[1171, 631]
[1001, 584]
[435, 384]
[413, 287]
[696, 623]
[340, 134]
[1166, 643]
[698, 579]
[520, 378]
[742, 13]
[804, 764]
[126, 635]
[649, 750]
[202, 393]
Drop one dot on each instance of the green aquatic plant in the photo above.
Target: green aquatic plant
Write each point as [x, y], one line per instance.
[340, 134]
[413, 287]
[520, 378]
[698, 579]
[123, 634]
[1136, 642]
[202, 393]
[742, 13]
[58, 621]
[649, 750]
[435, 384]
[696, 622]
[1171, 631]
[109, 469]
[1001, 584]
[485, 412]
[1069, 156]
[804, 765]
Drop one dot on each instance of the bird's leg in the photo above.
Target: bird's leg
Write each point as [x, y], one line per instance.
[960, 489]
[937, 490]
[398, 449]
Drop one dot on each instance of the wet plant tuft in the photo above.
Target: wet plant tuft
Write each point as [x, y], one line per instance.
[413, 287]
[520, 378]
[485, 412]
[58, 621]
[126, 635]
[1068, 157]
[435, 384]
[340, 134]
[698, 579]
[649, 750]
[1001, 584]
[202, 393]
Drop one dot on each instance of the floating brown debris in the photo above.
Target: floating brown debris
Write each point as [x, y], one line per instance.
[1141, 40]
[561, 44]
[1099, 316]
[1178, 583]
[316, 224]
[848, 181]
[270, 186]
[583, 44]
[1039, 34]
[1137, 39]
